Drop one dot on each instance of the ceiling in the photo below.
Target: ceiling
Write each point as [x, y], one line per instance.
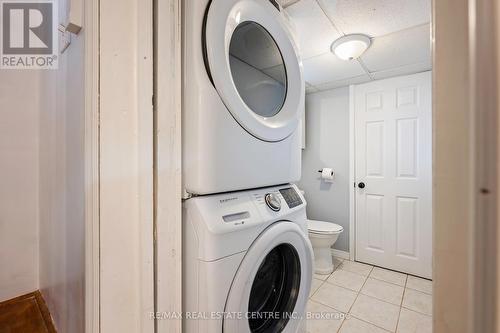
[399, 29]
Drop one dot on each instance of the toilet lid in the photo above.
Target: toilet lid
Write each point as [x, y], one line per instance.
[322, 227]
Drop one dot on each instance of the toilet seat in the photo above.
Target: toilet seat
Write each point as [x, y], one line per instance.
[323, 228]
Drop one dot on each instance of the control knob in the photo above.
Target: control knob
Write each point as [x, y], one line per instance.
[273, 202]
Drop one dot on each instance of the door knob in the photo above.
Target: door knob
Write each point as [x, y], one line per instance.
[361, 185]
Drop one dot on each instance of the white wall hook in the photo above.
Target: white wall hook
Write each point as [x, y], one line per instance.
[64, 38]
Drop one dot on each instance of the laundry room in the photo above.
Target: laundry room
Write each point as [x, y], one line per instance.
[249, 166]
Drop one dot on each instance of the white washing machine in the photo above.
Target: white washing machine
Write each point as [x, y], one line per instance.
[247, 262]
[243, 96]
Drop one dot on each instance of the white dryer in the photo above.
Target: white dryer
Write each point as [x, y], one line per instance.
[247, 262]
[243, 96]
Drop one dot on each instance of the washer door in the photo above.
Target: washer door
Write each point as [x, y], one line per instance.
[270, 290]
[254, 66]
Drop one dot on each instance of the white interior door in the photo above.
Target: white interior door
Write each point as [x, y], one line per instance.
[393, 144]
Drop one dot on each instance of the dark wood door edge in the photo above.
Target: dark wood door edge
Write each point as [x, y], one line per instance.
[40, 302]
[45, 312]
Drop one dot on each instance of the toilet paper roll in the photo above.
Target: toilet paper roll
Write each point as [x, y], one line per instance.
[327, 175]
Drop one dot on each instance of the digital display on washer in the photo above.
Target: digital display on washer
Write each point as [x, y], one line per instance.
[291, 197]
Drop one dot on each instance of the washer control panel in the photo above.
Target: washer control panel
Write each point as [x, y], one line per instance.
[292, 198]
[273, 201]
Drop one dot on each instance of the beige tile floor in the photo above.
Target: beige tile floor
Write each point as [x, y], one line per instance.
[360, 298]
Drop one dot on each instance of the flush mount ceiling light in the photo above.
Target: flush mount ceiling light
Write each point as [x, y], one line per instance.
[350, 47]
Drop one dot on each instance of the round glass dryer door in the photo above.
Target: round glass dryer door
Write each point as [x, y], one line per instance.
[257, 69]
[254, 66]
[271, 287]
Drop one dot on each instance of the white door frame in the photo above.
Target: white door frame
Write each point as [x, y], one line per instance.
[168, 168]
[352, 175]
[156, 140]
[466, 112]
[91, 151]
[126, 178]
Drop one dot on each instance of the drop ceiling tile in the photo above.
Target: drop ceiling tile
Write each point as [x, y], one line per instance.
[344, 82]
[399, 49]
[377, 17]
[327, 68]
[405, 70]
[313, 29]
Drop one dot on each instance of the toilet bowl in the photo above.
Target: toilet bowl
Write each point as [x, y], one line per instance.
[322, 236]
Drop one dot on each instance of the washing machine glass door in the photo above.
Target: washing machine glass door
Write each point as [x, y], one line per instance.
[270, 290]
[254, 65]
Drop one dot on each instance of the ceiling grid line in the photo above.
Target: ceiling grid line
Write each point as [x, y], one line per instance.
[329, 18]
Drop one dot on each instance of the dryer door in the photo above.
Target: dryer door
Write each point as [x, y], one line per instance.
[270, 289]
[255, 67]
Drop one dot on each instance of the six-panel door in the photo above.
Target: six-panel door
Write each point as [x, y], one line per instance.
[393, 144]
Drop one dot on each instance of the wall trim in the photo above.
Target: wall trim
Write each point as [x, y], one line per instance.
[168, 159]
[484, 105]
[91, 151]
[341, 254]
[126, 166]
[352, 175]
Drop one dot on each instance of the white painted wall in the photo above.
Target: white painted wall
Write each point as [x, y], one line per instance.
[18, 182]
[61, 190]
[327, 145]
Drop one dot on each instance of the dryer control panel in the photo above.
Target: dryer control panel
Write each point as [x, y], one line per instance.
[292, 198]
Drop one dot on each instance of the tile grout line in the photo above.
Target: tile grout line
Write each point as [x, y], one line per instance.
[322, 283]
[420, 291]
[404, 288]
[339, 267]
[338, 284]
[325, 280]
[365, 321]
[390, 283]
[355, 299]
[416, 311]
[325, 305]
[401, 305]
[372, 324]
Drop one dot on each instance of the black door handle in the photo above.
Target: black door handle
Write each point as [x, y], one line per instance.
[361, 185]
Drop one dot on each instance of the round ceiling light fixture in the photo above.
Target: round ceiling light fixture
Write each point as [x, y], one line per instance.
[350, 47]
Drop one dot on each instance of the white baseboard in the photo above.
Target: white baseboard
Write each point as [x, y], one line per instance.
[341, 254]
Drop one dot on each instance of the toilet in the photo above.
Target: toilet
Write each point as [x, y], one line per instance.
[322, 236]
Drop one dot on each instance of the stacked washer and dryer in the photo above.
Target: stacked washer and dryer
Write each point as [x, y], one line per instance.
[247, 261]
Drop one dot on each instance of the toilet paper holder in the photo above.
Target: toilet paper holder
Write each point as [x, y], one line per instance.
[327, 175]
